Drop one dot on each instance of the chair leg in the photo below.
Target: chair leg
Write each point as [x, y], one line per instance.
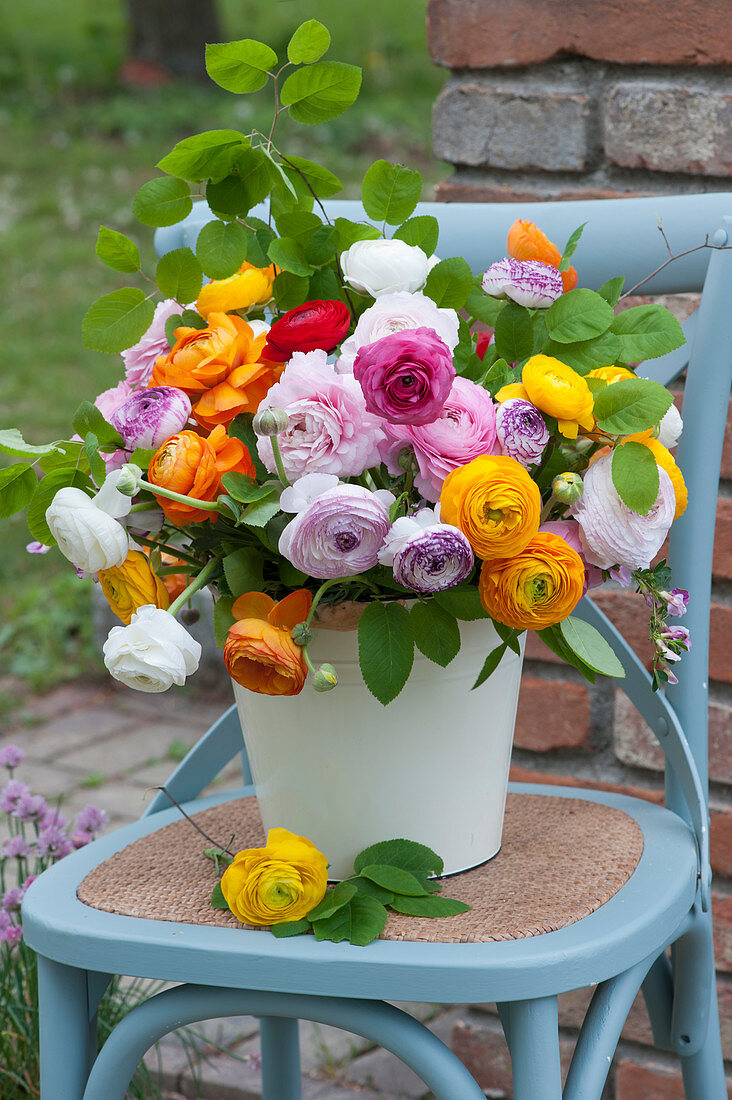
[533, 1027]
[703, 1072]
[65, 1030]
[280, 1046]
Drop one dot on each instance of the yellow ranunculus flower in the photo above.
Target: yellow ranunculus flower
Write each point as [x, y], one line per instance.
[248, 287]
[510, 391]
[131, 585]
[495, 504]
[667, 462]
[536, 588]
[611, 374]
[281, 882]
[558, 390]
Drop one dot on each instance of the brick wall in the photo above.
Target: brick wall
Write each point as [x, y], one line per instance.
[550, 100]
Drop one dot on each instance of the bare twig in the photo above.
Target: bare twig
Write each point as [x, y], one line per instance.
[198, 828]
[670, 260]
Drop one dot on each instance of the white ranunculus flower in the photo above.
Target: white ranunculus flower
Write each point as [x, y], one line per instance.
[384, 266]
[669, 430]
[392, 313]
[89, 537]
[152, 653]
[110, 498]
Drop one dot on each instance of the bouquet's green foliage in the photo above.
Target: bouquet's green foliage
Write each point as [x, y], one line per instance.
[635, 476]
[578, 315]
[385, 649]
[117, 251]
[631, 405]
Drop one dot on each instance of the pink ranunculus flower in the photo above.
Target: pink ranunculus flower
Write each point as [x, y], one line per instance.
[397, 312]
[140, 358]
[151, 416]
[112, 399]
[569, 530]
[522, 431]
[406, 377]
[330, 429]
[426, 555]
[612, 534]
[465, 429]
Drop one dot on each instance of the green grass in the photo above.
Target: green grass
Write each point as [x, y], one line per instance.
[75, 149]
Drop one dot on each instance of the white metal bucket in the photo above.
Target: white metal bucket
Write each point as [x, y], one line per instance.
[432, 766]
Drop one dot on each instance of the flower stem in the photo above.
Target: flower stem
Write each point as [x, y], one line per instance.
[278, 461]
[166, 549]
[157, 490]
[317, 598]
[196, 583]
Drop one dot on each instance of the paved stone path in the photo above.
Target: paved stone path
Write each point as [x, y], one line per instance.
[107, 745]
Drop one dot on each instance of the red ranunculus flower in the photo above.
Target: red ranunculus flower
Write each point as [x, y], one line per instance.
[313, 325]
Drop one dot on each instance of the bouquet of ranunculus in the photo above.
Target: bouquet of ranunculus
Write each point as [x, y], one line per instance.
[328, 419]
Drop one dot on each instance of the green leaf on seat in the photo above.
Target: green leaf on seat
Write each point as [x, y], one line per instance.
[394, 879]
[334, 900]
[406, 854]
[218, 901]
[432, 906]
[360, 921]
[288, 928]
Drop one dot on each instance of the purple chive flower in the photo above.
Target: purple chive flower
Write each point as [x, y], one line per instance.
[526, 282]
[337, 532]
[11, 793]
[676, 601]
[17, 847]
[52, 817]
[53, 842]
[12, 898]
[11, 935]
[30, 807]
[521, 431]
[426, 555]
[151, 416]
[11, 756]
[91, 820]
[36, 547]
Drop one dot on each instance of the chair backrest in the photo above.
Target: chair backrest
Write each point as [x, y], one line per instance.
[622, 237]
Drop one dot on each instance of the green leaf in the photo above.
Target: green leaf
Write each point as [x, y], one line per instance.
[289, 255]
[17, 485]
[117, 251]
[579, 314]
[394, 879]
[163, 201]
[221, 248]
[228, 197]
[44, 493]
[320, 249]
[88, 418]
[260, 513]
[218, 901]
[299, 225]
[390, 192]
[321, 91]
[96, 462]
[423, 231]
[385, 649]
[514, 333]
[490, 664]
[405, 854]
[449, 283]
[498, 376]
[240, 66]
[586, 355]
[241, 428]
[243, 489]
[360, 921]
[289, 575]
[223, 619]
[12, 443]
[308, 44]
[287, 928]
[322, 182]
[257, 173]
[635, 476]
[348, 232]
[334, 900]
[553, 639]
[69, 453]
[509, 635]
[203, 156]
[179, 275]
[645, 332]
[571, 247]
[172, 323]
[191, 319]
[118, 320]
[631, 405]
[142, 457]
[365, 886]
[462, 601]
[429, 907]
[436, 632]
[244, 570]
[484, 308]
[591, 647]
[612, 289]
[290, 290]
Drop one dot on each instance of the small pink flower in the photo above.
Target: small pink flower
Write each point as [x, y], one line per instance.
[112, 399]
[11, 756]
[12, 935]
[36, 548]
[17, 847]
[406, 377]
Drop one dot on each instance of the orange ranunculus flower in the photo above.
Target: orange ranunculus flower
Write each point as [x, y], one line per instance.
[189, 464]
[250, 286]
[219, 368]
[175, 583]
[131, 585]
[558, 390]
[667, 462]
[611, 374]
[527, 242]
[495, 504]
[535, 588]
[280, 882]
[259, 652]
[511, 391]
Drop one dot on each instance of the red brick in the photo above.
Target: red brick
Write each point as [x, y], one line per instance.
[528, 775]
[480, 1045]
[479, 34]
[720, 840]
[635, 743]
[722, 565]
[726, 471]
[651, 1081]
[552, 715]
[722, 914]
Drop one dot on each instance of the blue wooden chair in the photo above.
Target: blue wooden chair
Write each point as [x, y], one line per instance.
[619, 948]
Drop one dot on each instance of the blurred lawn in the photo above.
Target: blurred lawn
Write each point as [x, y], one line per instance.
[75, 149]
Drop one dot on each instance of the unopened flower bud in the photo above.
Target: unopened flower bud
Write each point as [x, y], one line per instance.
[128, 483]
[325, 678]
[270, 422]
[301, 634]
[567, 488]
[408, 460]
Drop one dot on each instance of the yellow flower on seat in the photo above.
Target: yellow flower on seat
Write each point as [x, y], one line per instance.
[558, 390]
[131, 585]
[249, 286]
[280, 882]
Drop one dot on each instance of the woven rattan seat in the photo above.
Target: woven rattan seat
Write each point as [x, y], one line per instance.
[561, 860]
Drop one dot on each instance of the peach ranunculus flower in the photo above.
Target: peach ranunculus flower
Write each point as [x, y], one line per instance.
[527, 242]
[280, 882]
[558, 390]
[535, 588]
[259, 652]
[495, 504]
[249, 286]
[132, 584]
[219, 368]
[189, 464]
